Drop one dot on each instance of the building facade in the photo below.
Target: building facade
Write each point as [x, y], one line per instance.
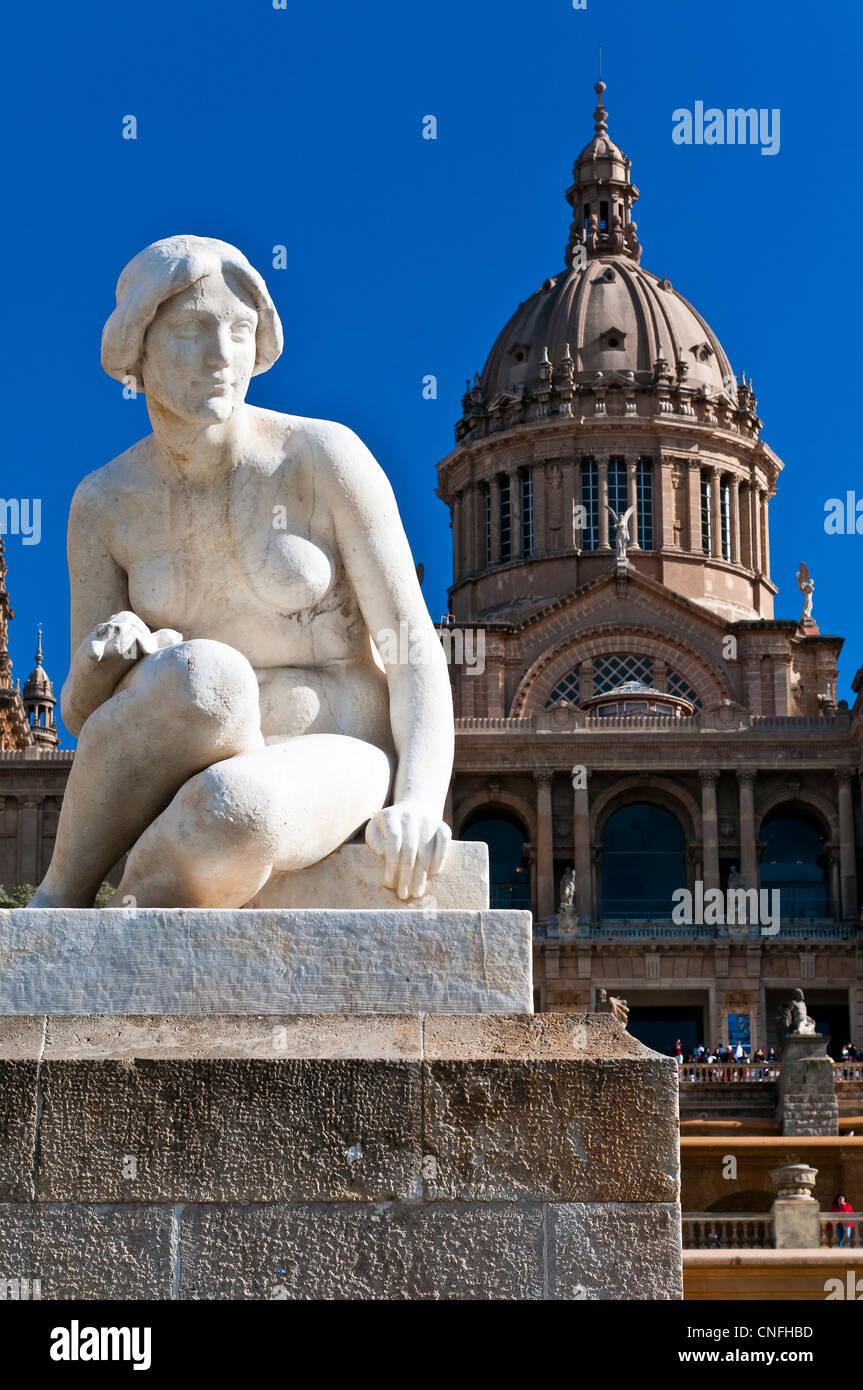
[33, 770]
[641, 716]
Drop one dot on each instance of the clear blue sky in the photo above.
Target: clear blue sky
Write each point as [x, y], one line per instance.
[405, 256]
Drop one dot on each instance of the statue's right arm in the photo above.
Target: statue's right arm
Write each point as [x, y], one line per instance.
[99, 589]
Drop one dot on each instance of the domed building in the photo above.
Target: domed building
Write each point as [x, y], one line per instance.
[638, 714]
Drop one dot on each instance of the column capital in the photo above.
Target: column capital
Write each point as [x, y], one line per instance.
[542, 777]
[843, 776]
[746, 776]
[707, 776]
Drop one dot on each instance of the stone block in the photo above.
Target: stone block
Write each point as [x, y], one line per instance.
[87, 1252]
[560, 1108]
[232, 1130]
[351, 878]
[18, 1110]
[203, 961]
[615, 1250]
[337, 1251]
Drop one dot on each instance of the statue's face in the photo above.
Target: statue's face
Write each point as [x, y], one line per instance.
[199, 351]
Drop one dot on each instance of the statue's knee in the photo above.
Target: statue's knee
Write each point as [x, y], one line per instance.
[209, 681]
[235, 820]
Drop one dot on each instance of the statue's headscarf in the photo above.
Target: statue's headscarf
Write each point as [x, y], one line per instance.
[167, 268]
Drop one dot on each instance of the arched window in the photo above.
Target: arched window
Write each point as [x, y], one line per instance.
[617, 490]
[643, 862]
[794, 861]
[707, 519]
[509, 871]
[504, 511]
[611, 671]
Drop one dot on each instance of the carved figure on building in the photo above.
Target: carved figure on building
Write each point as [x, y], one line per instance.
[621, 532]
[792, 1017]
[806, 585]
[610, 1004]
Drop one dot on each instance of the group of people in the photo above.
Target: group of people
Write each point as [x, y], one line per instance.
[736, 1053]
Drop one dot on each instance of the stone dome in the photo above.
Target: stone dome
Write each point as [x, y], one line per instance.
[615, 318]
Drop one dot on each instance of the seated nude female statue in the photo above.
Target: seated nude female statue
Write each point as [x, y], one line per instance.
[229, 574]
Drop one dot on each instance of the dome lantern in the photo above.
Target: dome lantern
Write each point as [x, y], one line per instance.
[601, 198]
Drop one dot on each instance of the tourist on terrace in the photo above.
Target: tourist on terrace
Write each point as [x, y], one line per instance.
[843, 1228]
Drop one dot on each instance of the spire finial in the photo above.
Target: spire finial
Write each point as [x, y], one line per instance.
[39, 645]
[600, 115]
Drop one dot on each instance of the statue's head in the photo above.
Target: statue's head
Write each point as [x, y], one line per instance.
[194, 323]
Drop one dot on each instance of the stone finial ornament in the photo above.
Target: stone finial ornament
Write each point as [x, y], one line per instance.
[255, 676]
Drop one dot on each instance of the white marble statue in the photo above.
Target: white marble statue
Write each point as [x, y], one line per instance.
[621, 532]
[806, 585]
[229, 573]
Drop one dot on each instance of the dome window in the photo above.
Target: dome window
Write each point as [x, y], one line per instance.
[518, 352]
[614, 338]
[609, 274]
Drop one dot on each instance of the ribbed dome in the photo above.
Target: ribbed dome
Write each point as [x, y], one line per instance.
[617, 318]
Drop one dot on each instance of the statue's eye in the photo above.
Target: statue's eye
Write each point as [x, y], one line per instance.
[242, 330]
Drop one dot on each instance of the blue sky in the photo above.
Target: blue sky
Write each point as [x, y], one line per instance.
[406, 256]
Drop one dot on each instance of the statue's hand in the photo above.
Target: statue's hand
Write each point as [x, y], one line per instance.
[412, 843]
[124, 637]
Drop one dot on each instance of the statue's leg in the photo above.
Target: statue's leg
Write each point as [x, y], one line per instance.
[281, 808]
[182, 709]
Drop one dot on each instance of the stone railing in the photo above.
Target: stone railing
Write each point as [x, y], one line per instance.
[836, 1223]
[847, 1071]
[697, 1073]
[727, 1231]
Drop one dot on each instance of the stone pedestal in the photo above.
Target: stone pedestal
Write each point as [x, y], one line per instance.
[338, 1157]
[796, 1213]
[807, 1098]
[268, 961]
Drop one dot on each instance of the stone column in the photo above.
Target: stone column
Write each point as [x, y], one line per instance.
[515, 514]
[744, 515]
[581, 850]
[748, 851]
[715, 516]
[540, 538]
[847, 856]
[694, 506]
[709, 827]
[664, 534]
[494, 497]
[734, 487]
[545, 903]
[632, 501]
[781, 671]
[458, 535]
[602, 474]
[755, 526]
[765, 535]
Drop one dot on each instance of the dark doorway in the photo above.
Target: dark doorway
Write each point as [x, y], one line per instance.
[659, 1026]
[509, 870]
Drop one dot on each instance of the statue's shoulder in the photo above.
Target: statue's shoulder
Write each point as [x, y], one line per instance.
[331, 450]
[98, 491]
